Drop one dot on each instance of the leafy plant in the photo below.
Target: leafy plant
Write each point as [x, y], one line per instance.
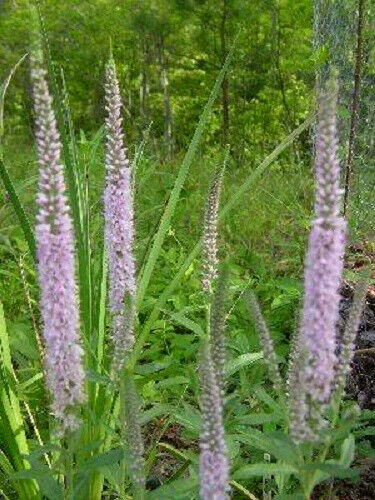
[154, 385]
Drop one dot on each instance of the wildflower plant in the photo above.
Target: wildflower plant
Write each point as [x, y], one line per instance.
[213, 462]
[119, 225]
[311, 412]
[323, 275]
[55, 256]
[265, 340]
[97, 319]
[119, 236]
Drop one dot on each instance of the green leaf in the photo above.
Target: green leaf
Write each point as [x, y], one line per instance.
[347, 451]
[366, 431]
[263, 396]
[49, 487]
[277, 444]
[98, 378]
[148, 368]
[248, 471]
[259, 418]
[189, 418]
[30, 381]
[154, 412]
[104, 459]
[296, 495]
[187, 323]
[171, 381]
[331, 470]
[233, 446]
[23, 341]
[5, 464]
[182, 489]
[243, 360]
[113, 474]
[367, 415]
[29, 474]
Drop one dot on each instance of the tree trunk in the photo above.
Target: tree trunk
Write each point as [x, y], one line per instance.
[168, 140]
[144, 88]
[225, 84]
[277, 54]
[355, 104]
[279, 77]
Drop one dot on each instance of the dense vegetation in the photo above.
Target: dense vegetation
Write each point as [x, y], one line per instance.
[259, 62]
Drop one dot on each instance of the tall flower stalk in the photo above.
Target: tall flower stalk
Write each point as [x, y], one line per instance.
[214, 463]
[323, 273]
[217, 329]
[132, 434]
[55, 254]
[348, 339]
[210, 231]
[119, 236]
[119, 225]
[265, 340]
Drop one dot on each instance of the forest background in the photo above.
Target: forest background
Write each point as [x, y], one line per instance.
[168, 55]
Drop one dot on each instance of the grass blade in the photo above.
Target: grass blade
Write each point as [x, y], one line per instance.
[175, 193]
[3, 88]
[18, 208]
[264, 165]
[12, 423]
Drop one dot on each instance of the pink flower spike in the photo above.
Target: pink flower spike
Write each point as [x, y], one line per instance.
[119, 226]
[55, 254]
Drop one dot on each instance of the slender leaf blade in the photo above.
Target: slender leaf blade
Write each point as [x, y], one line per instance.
[175, 193]
[18, 208]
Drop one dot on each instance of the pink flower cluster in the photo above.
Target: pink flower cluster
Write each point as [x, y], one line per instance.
[119, 225]
[55, 253]
[323, 273]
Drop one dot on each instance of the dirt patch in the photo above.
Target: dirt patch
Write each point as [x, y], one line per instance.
[363, 489]
[361, 381]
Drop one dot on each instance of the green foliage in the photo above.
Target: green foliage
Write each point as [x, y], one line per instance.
[18, 208]
[170, 55]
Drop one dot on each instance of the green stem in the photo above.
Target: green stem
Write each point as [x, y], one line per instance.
[336, 403]
[69, 470]
[208, 318]
[123, 437]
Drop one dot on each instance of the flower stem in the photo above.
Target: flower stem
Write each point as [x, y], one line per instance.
[69, 469]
